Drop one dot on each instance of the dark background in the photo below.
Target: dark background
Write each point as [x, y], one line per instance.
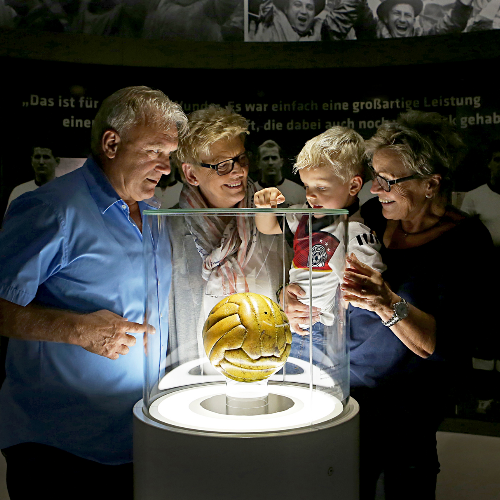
[35, 92]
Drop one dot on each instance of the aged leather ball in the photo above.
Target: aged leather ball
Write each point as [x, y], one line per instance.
[247, 337]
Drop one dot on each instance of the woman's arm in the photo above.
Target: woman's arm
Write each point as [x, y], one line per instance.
[365, 288]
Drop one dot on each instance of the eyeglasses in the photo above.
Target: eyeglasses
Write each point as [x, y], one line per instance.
[225, 167]
[386, 184]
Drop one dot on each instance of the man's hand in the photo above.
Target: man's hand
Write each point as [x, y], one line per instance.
[101, 332]
[105, 333]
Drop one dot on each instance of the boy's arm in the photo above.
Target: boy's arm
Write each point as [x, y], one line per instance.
[366, 246]
[364, 243]
[268, 198]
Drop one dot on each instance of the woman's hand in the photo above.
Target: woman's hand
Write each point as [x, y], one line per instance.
[296, 311]
[365, 288]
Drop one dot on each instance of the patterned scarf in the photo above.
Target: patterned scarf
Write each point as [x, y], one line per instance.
[225, 249]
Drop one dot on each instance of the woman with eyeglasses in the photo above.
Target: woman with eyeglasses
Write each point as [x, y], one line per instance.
[214, 256]
[411, 327]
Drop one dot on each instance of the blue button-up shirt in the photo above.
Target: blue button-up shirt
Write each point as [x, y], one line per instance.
[72, 244]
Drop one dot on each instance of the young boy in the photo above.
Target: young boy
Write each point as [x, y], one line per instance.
[331, 168]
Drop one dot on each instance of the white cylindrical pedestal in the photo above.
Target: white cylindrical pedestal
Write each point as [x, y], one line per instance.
[312, 462]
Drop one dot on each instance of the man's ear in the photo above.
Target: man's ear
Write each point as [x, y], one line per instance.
[190, 174]
[109, 143]
[355, 185]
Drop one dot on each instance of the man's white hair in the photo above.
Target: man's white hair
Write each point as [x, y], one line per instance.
[133, 106]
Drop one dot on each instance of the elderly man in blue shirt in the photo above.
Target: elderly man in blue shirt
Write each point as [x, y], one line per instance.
[72, 297]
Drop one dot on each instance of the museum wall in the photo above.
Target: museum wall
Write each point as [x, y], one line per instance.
[288, 91]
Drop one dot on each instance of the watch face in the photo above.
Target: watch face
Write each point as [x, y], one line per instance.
[401, 309]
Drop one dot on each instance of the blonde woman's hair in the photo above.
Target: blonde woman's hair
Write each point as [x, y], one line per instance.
[340, 149]
[207, 126]
[132, 106]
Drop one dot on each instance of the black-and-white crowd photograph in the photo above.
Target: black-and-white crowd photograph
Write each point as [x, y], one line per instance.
[252, 20]
[333, 20]
[197, 20]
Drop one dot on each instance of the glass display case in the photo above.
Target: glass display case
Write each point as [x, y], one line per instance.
[222, 358]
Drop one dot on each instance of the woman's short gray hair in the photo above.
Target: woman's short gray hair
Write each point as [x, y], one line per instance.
[427, 144]
[133, 106]
[207, 126]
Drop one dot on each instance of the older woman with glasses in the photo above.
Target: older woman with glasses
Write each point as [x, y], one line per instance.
[411, 326]
[214, 256]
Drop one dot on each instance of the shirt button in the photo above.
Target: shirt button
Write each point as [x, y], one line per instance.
[124, 207]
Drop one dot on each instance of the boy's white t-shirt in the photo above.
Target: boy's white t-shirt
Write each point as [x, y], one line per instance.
[328, 256]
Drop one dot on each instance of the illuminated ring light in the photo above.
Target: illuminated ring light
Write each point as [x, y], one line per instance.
[183, 408]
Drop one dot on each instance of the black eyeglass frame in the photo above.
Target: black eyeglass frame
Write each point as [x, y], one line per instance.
[390, 182]
[234, 160]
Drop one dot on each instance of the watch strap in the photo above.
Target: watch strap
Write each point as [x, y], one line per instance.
[395, 317]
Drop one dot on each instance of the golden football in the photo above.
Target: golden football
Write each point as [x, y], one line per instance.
[247, 337]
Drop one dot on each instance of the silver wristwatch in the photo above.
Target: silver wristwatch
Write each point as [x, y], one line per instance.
[400, 312]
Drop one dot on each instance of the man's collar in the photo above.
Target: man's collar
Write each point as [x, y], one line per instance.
[153, 203]
[103, 192]
[100, 188]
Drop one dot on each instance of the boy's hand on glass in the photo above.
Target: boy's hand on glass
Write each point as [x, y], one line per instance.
[268, 198]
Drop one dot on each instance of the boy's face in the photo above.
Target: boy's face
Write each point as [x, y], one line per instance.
[325, 190]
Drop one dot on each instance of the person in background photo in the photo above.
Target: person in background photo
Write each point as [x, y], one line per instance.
[7, 15]
[309, 20]
[484, 201]
[44, 164]
[399, 19]
[123, 18]
[197, 20]
[270, 163]
[485, 15]
[72, 290]
[38, 15]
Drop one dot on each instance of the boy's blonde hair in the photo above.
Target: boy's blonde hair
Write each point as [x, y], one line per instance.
[340, 149]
